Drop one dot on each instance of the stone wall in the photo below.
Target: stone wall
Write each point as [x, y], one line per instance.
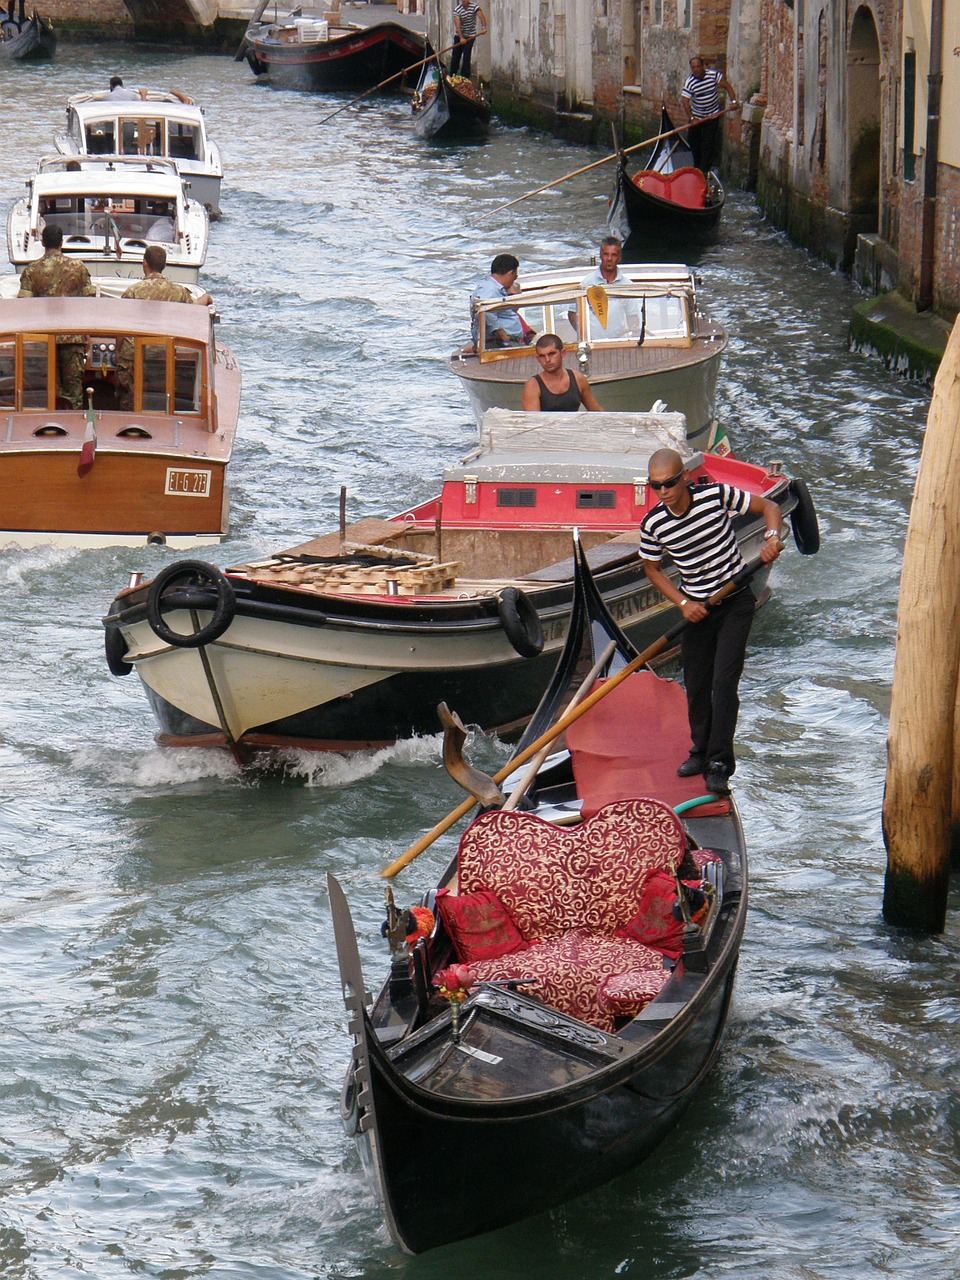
[109, 18]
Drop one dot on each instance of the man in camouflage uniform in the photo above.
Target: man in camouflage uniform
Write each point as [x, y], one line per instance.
[56, 276]
[154, 287]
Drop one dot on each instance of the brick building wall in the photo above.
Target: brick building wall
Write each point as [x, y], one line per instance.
[107, 17]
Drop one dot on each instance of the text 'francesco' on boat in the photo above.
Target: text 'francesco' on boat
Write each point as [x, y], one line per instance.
[642, 340]
[559, 995]
[110, 210]
[119, 418]
[348, 641]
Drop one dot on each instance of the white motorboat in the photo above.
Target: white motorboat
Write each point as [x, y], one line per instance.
[110, 210]
[163, 123]
[643, 341]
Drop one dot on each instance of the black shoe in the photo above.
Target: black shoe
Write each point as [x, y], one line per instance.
[715, 778]
[691, 766]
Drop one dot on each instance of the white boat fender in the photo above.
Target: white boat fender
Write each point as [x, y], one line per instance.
[803, 519]
[521, 622]
[191, 573]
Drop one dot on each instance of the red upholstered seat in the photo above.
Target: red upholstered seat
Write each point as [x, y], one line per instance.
[687, 187]
[574, 969]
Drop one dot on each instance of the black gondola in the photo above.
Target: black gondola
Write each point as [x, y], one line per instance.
[446, 106]
[547, 1070]
[22, 38]
[669, 198]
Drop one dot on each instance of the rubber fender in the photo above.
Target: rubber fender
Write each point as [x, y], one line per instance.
[521, 622]
[201, 574]
[803, 519]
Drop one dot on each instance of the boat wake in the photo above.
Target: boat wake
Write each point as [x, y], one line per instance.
[332, 769]
[157, 767]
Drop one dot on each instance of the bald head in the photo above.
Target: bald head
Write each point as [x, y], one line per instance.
[665, 463]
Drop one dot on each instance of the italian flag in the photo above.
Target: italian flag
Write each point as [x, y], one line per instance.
[88, 450]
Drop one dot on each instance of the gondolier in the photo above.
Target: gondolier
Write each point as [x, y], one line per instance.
[466, 18]
[694, 526]
[700, 97]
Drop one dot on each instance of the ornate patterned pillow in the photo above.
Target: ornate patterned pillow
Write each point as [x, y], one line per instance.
[479, 925]
[654, 923]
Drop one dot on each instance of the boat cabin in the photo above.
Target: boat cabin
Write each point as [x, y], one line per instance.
[109, 211]
[167, 346]
[652, 307]
[162, 124]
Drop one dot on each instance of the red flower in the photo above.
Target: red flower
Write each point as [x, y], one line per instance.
[454, 981]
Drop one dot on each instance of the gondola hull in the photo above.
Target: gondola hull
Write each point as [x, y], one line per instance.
[451, 114]
[33, 41]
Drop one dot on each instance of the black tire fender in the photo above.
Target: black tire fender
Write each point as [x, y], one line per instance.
[199, 573]
[521, 622]
[803, 519]
[115, 648]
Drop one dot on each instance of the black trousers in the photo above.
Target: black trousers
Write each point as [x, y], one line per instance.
[704, 142]
[460, 59]
[713, 652]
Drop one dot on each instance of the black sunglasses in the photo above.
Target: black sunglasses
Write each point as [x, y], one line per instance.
[667, 484]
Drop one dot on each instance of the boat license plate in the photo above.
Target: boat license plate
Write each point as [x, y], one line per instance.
[187, 482]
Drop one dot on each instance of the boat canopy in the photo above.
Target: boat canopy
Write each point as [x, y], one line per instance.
[160, 125]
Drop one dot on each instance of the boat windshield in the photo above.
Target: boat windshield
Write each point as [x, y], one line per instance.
[124, 372]
[134, 217]
[143, 136]
[614, 315]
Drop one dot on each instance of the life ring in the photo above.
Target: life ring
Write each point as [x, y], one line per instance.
[201, 574]
[115, 647]
[521, 622]
[803, 518]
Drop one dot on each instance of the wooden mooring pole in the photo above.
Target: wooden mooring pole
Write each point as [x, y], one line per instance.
[921, 807]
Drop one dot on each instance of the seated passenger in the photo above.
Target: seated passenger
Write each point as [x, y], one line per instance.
[163, 229]
[556, 388]
[623, 314]
[503, 328]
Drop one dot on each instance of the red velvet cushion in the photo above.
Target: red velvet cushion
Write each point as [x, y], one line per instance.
[479, 925]
[654, 924]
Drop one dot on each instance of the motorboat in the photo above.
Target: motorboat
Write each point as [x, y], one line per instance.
[348, 641]
[326, 51]
[110, 209]
[23, 38]
[554, 1001]
[668, 199]
[145, 463]
[164, 122]
[449, 107]
[643, 341]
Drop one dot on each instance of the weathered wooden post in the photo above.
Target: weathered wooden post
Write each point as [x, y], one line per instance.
[919, 814]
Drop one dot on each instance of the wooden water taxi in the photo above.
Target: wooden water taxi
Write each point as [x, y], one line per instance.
[349, 640]
[326, 51]
[163, 123]
[110, 209]
[141, 462]
[555, 1001]
[640, 342]
[669, 199]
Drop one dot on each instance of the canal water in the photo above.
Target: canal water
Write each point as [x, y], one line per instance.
[173, 1036]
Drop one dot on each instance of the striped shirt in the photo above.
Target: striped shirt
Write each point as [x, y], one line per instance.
[704, 94]
[467, 13]
[702, 542]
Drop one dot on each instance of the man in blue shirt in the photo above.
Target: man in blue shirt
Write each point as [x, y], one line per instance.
[503, 328]
[623, 314]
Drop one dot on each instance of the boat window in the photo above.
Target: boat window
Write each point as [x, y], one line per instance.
[36, 369]
[8, 375]
[516, 497]
[188, 380]
[184, 141]
[100, 138]
[154, 378]
[142, 137]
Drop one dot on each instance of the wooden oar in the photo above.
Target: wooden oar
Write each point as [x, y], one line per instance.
[567, 719]
[389, 80]
[648, 142]
[242, 46]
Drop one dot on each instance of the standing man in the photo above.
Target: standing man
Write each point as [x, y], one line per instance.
[120, 93]
[623, 317]
[467, 16]
[503, 328]
[556, 389]
[57, 276]
[694, 526]
[700, 97]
